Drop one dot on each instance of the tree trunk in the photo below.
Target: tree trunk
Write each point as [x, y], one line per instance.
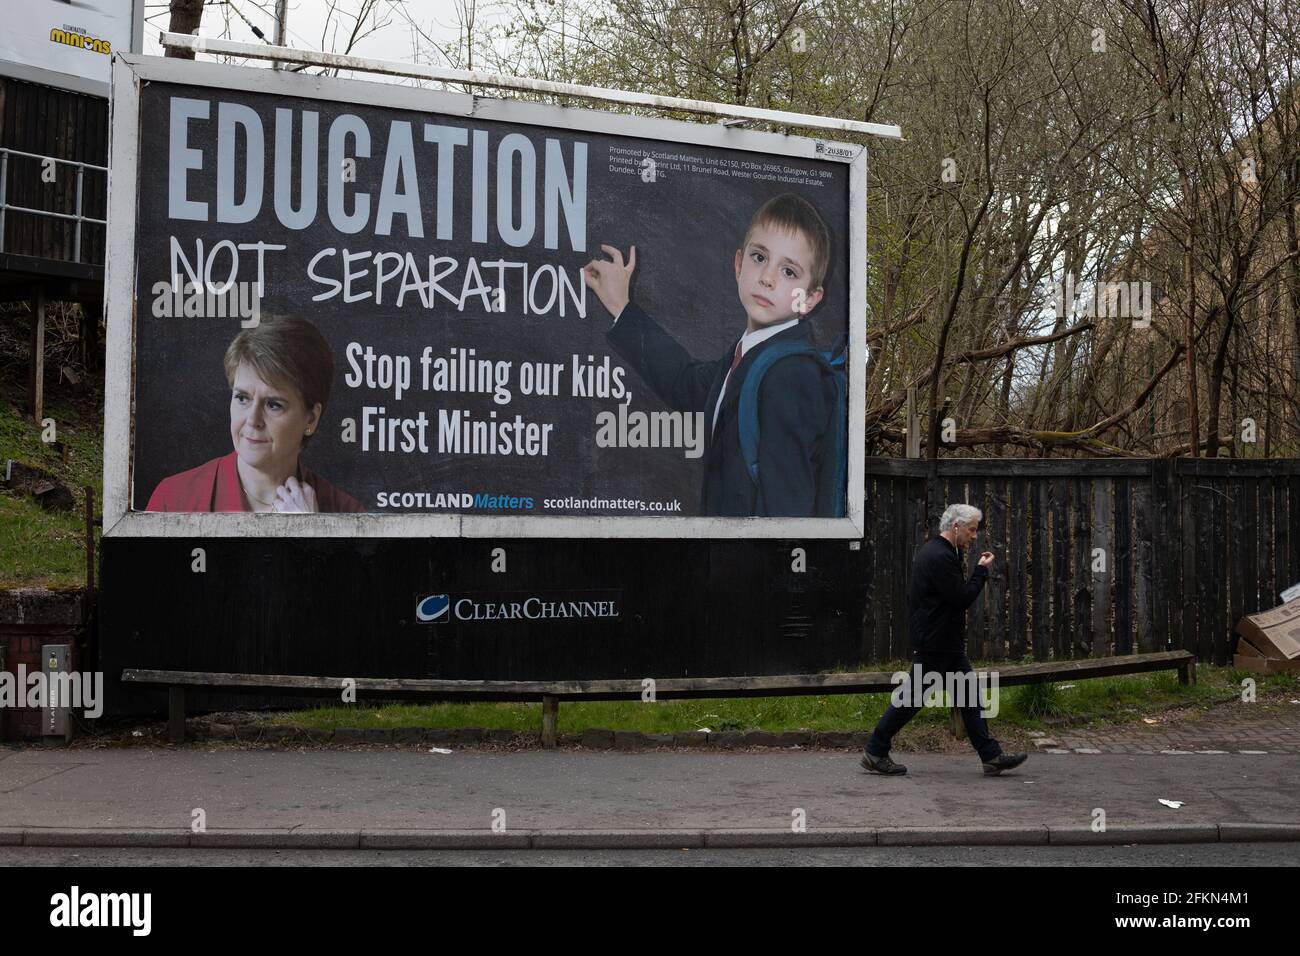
[185, 18]
[1293, 284]
[1189, 325]
[1215, 383]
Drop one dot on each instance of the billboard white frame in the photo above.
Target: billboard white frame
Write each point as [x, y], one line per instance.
[129, 72]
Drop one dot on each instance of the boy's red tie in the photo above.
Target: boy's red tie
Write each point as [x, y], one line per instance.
[735, 360]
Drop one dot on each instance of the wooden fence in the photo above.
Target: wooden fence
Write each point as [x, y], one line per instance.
[1094, 557]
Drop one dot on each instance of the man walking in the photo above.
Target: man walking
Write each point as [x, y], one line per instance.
[936, 624]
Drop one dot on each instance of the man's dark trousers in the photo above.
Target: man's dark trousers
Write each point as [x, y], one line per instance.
[895, 718]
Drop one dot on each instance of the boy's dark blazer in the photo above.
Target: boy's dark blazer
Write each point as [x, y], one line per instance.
[793, 415]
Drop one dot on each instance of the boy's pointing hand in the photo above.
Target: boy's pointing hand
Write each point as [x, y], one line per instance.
[610, 280]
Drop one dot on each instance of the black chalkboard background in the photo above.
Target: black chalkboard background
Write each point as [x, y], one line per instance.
[686, 227]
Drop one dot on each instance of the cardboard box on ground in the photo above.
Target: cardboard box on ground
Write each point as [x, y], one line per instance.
[1269, 642]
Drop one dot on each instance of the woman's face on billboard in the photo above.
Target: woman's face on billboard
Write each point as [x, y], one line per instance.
[268, 422]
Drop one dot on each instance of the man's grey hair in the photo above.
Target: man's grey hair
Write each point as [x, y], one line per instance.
[963, 513]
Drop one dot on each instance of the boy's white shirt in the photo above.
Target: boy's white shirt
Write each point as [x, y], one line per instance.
[747, 342]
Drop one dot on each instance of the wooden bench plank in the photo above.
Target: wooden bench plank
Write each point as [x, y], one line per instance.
[768, 686]
[551, 693]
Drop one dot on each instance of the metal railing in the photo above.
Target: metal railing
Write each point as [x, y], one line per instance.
[76, 217]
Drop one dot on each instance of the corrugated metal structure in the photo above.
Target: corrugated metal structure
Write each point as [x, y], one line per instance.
[53, 204]
[53, 197]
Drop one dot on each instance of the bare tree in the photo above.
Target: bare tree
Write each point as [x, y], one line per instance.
[186, 15]
[1046, 140]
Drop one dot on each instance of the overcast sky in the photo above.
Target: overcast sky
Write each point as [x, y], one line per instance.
[435, 19]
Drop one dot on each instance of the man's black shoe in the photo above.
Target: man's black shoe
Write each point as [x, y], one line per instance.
[1004, 762]
[882, 765]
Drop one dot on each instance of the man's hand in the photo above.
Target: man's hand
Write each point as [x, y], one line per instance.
[986, 559]
[293, 497]
[610, 280]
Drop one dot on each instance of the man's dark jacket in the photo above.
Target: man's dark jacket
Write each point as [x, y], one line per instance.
[939, 596]
[793, 412]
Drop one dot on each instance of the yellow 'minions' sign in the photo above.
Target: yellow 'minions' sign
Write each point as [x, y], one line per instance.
[80, 40]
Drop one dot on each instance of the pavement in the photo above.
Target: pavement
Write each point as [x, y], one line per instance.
[1229, 776]
[1233, 729]
[410, 798]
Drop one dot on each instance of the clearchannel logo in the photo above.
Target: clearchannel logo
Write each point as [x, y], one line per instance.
[434, 608]
[519, 606]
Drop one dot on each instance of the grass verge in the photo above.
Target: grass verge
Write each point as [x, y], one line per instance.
[1111, 700]
[40, 548]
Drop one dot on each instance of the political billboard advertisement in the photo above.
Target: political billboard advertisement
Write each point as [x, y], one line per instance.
[69, 43]
[352, 308]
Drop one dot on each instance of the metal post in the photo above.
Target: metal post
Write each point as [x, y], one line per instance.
[37, 375]
[281, 15]
[4, 188]
[76, 246]
[56, 716]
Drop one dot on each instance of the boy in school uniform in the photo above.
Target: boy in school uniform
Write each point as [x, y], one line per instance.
[779, 271]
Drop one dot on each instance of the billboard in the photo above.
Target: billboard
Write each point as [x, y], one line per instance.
[349, 308]
[70, 43]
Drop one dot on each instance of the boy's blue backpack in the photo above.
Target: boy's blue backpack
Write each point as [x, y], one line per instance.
[831, 478]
